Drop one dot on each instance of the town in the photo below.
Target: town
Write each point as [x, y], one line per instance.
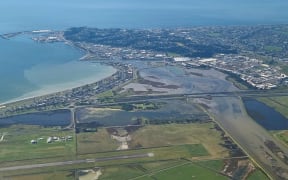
[253, 71]
[190, 48]
[257, 73]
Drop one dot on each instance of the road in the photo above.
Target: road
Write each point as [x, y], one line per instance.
[246, 93]
[139, 99]
[64, 163]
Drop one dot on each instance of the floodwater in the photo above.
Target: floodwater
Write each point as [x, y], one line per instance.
[171, 111]
[230, 113]
[264, 115]
[49, 118]
[188, 80]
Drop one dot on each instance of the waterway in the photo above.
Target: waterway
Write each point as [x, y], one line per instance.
[264, 115]
[230, 113]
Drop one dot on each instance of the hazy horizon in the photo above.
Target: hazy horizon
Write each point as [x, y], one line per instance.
[32, 14]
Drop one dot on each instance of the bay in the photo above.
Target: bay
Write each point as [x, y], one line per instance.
[30, 69]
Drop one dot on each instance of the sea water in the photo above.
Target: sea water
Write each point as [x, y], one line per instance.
[29, 69]
[54, 14]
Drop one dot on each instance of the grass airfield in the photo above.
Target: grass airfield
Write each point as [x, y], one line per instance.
[180, 151]
[189, 146]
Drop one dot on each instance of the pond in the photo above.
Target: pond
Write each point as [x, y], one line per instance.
[50, 118]
[264, 115]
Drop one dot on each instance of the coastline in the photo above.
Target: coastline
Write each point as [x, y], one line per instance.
[50, 89]
[58, 88]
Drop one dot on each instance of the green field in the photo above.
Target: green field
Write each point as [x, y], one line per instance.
[281, 135]
[187, 171]
[158, 169]
[216, 165]
[16, 145]
[181, 151]
[172, 169]
[137, 170]
[166, 169]
[257, 175]
[280, 104]
[121, 172]
[160, 165]
[174, 134]
[95, 142]
[45, 176]
[155, 136]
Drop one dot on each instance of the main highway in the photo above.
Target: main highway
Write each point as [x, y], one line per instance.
[138, 99]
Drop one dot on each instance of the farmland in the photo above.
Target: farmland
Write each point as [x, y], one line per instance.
[186, 144]
[172, 154]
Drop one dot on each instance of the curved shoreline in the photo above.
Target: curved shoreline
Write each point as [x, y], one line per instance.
[71, 97]
[59, 87]
[56, 88]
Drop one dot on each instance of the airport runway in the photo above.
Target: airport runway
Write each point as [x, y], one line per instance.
[64, 163]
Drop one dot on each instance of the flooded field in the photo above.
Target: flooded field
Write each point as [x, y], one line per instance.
[170, 111]
[178, 79]
[264, 115]
[49, 118]
[230, 113]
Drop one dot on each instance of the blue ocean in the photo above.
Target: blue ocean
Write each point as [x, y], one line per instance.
[26, 66]
[29, 69]
[60, 14]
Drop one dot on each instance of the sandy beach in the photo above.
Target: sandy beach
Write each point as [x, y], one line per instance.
[54, 88]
